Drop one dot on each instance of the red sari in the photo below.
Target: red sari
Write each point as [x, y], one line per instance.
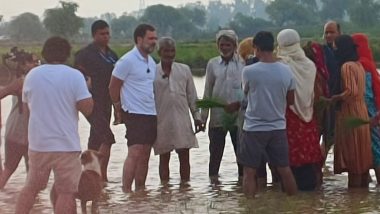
[303, 140]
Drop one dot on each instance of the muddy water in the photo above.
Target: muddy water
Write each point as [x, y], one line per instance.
[200, 196]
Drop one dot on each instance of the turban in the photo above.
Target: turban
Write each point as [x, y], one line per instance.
[228, 33]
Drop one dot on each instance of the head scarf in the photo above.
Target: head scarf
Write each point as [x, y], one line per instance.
[245, 48]
[366, 59]
[304, 72]
[314, 51]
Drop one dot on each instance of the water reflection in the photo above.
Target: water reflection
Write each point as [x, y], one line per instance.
[199, 196]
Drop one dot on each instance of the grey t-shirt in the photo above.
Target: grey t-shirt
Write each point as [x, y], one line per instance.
[267, 85]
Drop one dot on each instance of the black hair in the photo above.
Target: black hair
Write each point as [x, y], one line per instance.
[345, 49]
[338, 27]
[141, 30]
[98, 25]
[264, 41]
[56, 49]
[19, 56]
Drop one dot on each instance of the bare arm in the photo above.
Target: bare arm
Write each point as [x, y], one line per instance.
[85, 106]
[12, 89]
[114, 90]
[290, 97]
[191, 99]
[192, 96]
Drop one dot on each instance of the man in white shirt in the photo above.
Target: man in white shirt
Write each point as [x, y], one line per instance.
[175, 95]
[223, 81]
[131, 90]
[53, 94]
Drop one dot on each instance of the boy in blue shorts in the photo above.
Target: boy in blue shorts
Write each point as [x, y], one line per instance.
[269, 86]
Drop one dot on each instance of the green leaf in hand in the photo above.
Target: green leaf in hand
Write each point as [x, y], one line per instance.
[210, 103]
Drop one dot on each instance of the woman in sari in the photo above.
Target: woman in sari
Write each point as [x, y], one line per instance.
[352, 151]
[372, 93]
[303, 135]
[314, 51]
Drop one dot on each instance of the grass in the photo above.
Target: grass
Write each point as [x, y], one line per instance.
[196, 55]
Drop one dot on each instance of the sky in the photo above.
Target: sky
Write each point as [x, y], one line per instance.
[87, 8]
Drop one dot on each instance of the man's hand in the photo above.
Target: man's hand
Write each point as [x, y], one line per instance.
[117, 114]
[232, 107]
[15, 88]
[199, 126]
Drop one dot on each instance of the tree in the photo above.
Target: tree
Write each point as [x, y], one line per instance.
[219, 14]
[259, 9]
[243, 6]
[85, 30]
[364, 13]
[123, 27]
[26, 27]
[291, 12]
[63, 21]
[195, 15]
[333, 9]
[246, 26]
[169, 21]
[108, 17]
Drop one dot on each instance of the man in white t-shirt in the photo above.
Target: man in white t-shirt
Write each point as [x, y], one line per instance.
[53, 94]
[131, 90]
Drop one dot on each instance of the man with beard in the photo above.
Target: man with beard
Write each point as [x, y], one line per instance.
[223, 81]
[131, 90]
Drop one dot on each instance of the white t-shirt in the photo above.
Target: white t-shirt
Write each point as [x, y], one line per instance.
[52, 92]
[137, 75]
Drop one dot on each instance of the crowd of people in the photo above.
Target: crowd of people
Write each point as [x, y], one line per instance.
[286, 101]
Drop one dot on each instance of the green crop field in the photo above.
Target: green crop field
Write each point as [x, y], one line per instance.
[195, 55]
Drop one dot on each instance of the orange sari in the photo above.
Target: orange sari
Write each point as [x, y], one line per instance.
[352, 151]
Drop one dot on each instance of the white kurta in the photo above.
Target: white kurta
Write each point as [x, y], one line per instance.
[175, 96]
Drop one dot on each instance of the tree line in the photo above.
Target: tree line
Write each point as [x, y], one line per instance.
[196, 21]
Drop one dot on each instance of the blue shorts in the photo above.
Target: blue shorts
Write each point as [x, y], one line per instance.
[258, 145]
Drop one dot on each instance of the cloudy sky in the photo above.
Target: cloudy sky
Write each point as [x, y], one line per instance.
[87, 8]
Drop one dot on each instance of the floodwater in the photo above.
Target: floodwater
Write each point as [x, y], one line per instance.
[200, 196]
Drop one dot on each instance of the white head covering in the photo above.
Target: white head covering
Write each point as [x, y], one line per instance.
[288, 37]
[229, 33]
[304, 72]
